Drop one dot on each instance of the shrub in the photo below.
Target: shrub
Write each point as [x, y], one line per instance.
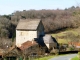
[79, 55]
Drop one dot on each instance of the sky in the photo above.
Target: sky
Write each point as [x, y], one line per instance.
[10, 6]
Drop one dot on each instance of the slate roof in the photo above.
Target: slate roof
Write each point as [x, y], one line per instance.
[48, 39]
[28, 24]
[27, 44]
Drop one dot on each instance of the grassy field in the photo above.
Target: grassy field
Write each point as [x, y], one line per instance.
[63, 36]
[75, 58]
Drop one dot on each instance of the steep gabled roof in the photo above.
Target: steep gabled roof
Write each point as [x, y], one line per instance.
[28, 24]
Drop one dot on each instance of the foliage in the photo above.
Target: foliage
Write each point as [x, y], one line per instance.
[54, 51]
[78, 53]
[53, 20]
[75, 58]
[68, 35]
[72, 48]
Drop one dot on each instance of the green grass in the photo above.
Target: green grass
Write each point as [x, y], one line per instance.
[62, 41]
[64, 33]
[75, 58]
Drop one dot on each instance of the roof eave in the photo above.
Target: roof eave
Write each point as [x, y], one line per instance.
[27, 29]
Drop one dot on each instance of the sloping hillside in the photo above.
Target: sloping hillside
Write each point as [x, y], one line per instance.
[69, 35]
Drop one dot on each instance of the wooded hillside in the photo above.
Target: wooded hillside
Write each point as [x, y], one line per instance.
[52, 20]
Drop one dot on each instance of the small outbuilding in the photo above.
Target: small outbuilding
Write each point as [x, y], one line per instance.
[50, 42]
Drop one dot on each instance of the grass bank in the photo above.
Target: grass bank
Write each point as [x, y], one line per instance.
[49, 57]
[75, 58]
[66, 36]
